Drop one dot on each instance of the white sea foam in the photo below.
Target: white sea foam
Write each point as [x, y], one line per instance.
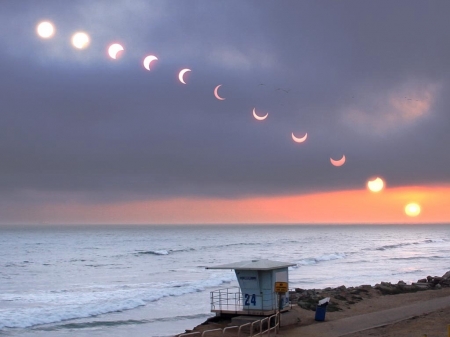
[53, 306]
[154, 252]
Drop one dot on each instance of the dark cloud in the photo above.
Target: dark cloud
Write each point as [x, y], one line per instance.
[367, 80]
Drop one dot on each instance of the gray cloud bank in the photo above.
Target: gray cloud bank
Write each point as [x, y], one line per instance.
[364, 79]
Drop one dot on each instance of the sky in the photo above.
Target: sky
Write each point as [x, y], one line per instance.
[85, 138]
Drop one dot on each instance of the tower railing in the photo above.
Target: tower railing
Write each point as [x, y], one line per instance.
[232, 300]
[261, 327]
[227, 299]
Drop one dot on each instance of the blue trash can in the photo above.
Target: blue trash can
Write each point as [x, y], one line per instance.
[320, 313]
[322, 309]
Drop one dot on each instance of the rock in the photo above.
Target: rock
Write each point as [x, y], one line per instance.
[340, 298]
[435, 280]
[401, 283]
[422, 285]
[293, 297]
[333, 307]
[357, 298]
[409, 288]
[437, 286]
[390, 290]
[358, 291]
[386, 288]
[445, 283]
[422, 280]
[446, 276]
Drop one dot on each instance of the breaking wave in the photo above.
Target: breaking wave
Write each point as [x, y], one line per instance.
[92, 301]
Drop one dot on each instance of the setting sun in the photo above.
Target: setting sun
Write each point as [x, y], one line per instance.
[412, 209]
[375, 185]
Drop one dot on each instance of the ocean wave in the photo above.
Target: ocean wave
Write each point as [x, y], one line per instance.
[190, 249]
[99, 265]
[78, 260]
[97, 324]
[45, 307]
[15, 265]
[241, 244]
[322, 258]
[163, 251]
[244, 244]
[154, 252]
[415, 271]
[433, 257]
[94, 324]
[398, 245]
[403, 244]
[435, 240]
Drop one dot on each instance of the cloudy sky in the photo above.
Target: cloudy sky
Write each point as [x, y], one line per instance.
[85, 138]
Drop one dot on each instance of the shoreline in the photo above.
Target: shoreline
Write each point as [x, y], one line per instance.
[354, 301]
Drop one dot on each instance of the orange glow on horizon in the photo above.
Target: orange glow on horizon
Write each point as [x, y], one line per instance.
[340, 207]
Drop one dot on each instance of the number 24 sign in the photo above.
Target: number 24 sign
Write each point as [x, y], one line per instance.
[250, 299]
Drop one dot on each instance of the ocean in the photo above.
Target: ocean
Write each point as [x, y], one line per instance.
[151, 280]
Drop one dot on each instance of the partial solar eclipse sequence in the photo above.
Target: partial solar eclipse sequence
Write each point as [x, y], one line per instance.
[81, 40]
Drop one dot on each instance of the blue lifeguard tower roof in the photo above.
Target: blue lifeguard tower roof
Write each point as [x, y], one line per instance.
[254, 265]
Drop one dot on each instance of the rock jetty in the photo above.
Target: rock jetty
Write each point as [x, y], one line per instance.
[342, 297]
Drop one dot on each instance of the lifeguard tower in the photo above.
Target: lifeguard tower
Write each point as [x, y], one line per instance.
[257, 294]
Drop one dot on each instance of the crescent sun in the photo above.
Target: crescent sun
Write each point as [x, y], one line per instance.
[181, 74]
[260, 118]
[299, 140]
[148, 60]
[216, 94]
[114, 49]
[339, 162]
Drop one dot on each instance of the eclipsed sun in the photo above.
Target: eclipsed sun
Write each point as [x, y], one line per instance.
[375, 185]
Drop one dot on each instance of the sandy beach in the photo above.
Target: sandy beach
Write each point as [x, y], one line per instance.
[433, 324]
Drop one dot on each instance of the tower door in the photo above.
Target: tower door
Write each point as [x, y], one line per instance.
[267, 294]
